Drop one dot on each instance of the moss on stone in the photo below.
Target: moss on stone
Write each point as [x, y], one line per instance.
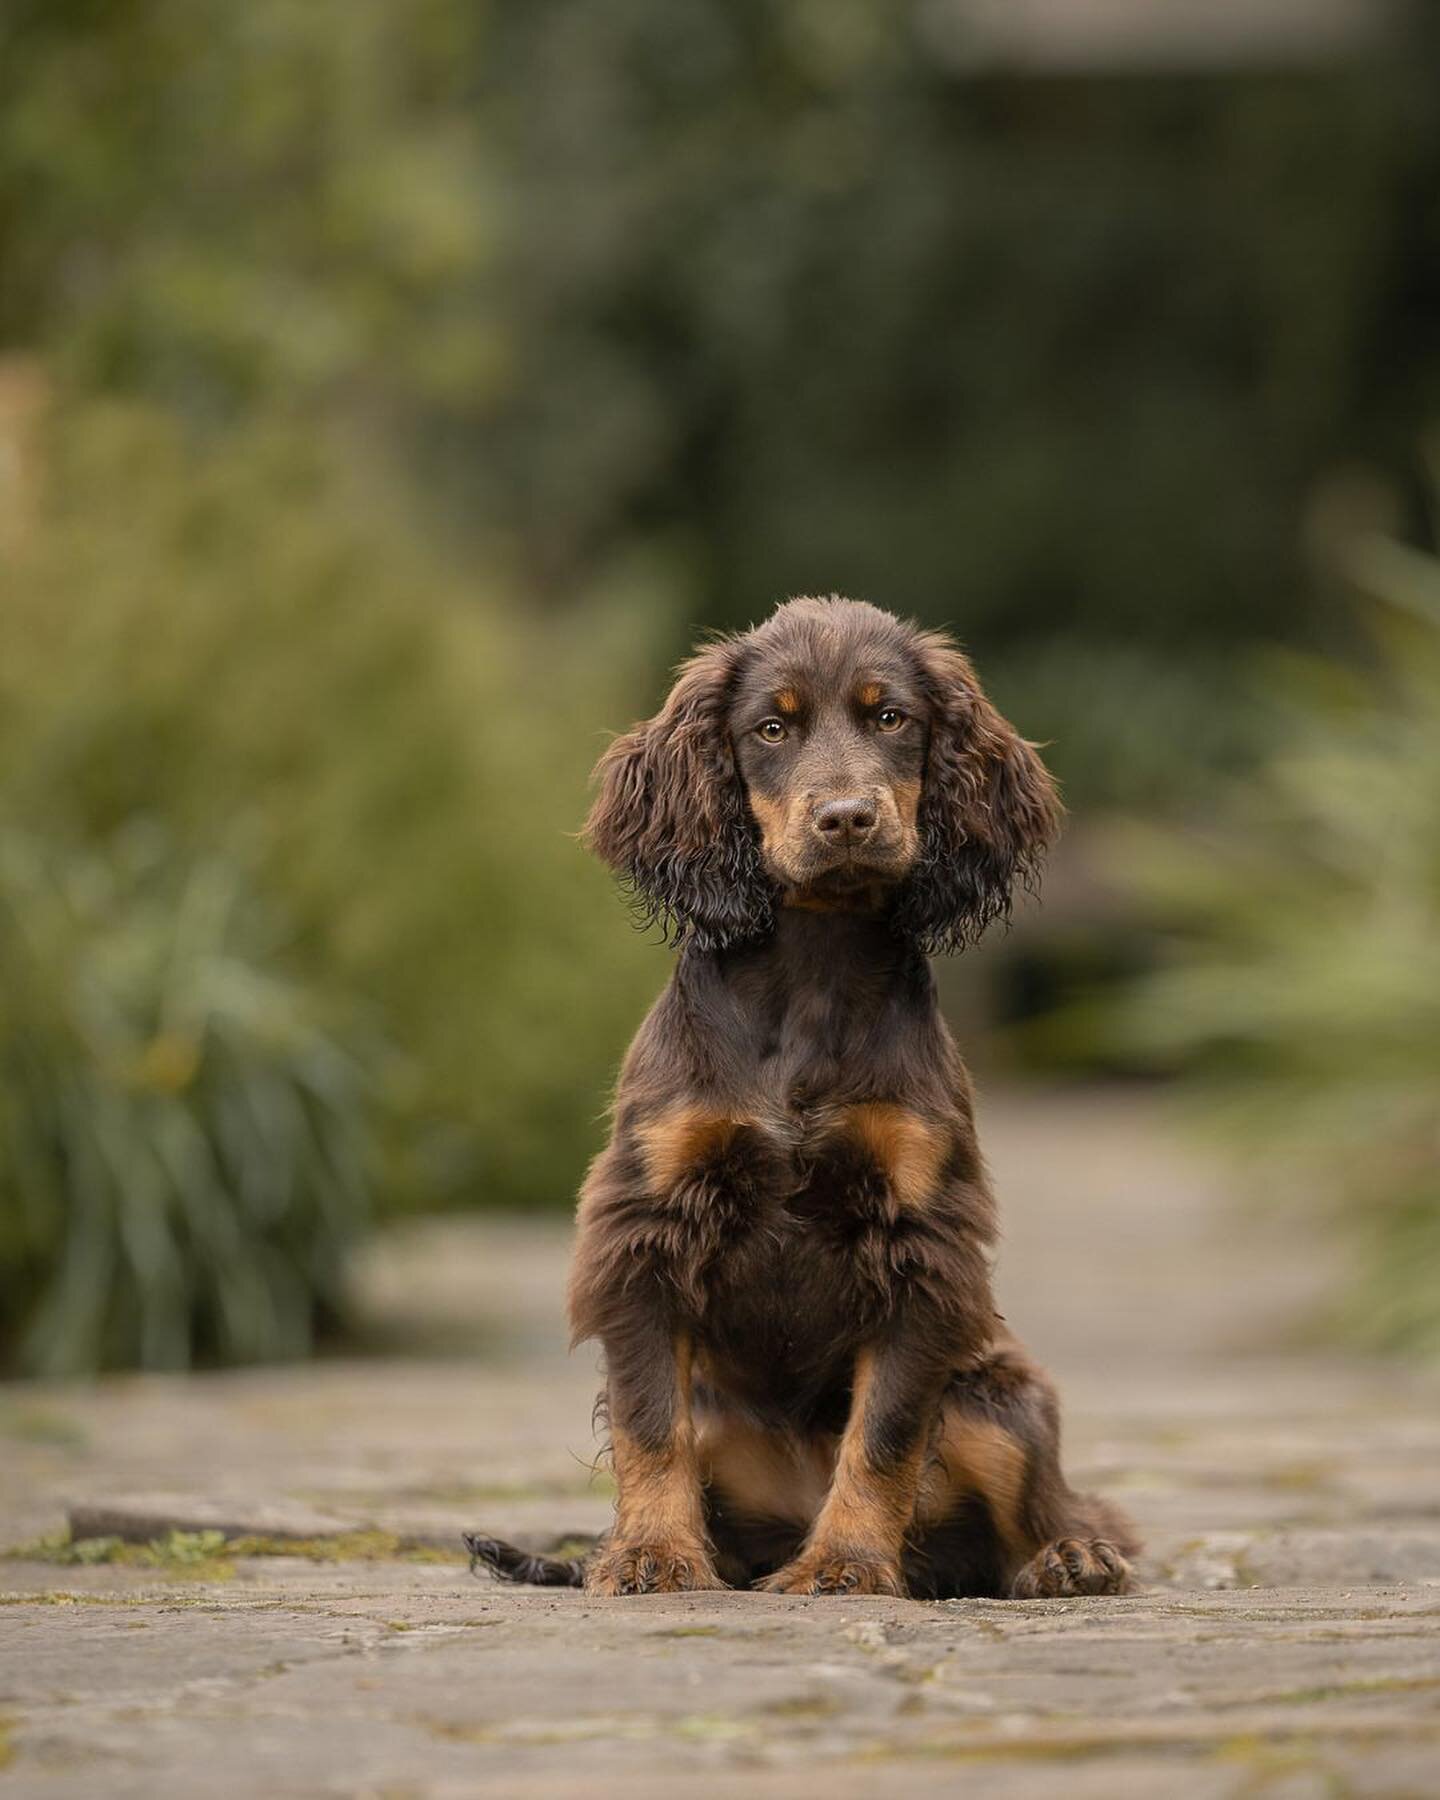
[211, 1556]
[41, 1425]
[196, 1555]
[803, 1706]
[345, 1546]
[1348, 1690]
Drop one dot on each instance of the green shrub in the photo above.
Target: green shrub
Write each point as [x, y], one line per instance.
[1123, 728]
[183, 1134]
[812, 287]
[1302, 993]
[246, 643]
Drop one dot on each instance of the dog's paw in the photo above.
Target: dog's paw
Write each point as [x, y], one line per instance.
[1072, 1566]
[837, 1574]
[649, 1569]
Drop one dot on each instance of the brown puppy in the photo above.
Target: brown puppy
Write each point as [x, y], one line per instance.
[784, 1249]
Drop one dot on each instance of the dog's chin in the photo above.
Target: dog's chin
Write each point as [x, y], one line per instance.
[841, 880]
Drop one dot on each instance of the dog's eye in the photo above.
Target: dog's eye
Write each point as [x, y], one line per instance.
[889, 718]
[772, 730]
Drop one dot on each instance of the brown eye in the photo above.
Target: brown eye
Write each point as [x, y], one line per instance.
[889, 718]
[771, 730]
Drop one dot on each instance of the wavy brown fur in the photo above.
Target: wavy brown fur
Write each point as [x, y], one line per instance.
[784, 1249]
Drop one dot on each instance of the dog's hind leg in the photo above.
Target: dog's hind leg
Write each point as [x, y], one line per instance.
[995, 1514]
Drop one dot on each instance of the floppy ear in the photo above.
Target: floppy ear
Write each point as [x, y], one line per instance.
[670, 817]
[988, 811]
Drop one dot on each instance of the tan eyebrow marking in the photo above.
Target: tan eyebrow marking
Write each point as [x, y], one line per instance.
[788, 700]
[870, 693]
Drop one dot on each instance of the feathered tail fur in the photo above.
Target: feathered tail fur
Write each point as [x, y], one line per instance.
[509, 1563]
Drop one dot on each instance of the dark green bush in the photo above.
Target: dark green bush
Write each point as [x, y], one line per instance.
[184, 1155]
[799, 288]
[242, 641]
[1301, 994]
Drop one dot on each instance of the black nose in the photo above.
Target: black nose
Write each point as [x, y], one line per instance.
[845, 821]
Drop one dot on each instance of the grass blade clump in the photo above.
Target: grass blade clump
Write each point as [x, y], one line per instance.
[183, 1131]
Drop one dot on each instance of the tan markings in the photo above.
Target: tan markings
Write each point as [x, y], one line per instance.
[772, 816]
[977, 1456]
[788, 701]
[866, 899]
[806, 900]
[679, 1138]
[765, 1474]
[910, 1150]
[870, 693]
[863, 1505]
[658, 1490]
[907, 804]
[867, 1512]
[659, 1502]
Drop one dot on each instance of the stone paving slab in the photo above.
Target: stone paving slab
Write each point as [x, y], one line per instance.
[415, 1682]
[1288, 1644]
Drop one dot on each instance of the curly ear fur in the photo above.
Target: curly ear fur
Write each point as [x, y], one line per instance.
[988, 813]
[670, 817]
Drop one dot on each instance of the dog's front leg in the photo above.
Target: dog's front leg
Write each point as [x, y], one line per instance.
[855, 1544]
[658, 1544]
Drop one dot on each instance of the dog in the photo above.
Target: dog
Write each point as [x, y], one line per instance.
[785, 1248]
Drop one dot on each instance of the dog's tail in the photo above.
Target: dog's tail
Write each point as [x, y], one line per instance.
[509, 1563]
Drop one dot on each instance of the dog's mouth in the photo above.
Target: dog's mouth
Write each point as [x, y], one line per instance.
[855, 870]
[843, 873]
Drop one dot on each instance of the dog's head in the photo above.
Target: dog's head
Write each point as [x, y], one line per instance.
[833, 756]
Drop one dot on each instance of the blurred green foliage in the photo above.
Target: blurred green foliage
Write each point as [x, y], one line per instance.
[412, 382]
[791, 295]
[246, 647]
[182, 1132]
[1301, 992]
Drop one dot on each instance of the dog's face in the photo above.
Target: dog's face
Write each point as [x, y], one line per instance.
[830, 728]
[834, 754]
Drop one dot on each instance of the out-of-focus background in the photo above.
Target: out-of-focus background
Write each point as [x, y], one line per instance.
[388, 396]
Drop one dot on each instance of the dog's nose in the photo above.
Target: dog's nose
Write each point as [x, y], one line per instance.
[846, 821]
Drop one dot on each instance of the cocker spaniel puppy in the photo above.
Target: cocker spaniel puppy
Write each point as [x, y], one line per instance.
[785, 1248]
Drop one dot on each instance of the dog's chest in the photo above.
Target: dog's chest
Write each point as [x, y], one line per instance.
[795, 1196]
[801, 1267]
